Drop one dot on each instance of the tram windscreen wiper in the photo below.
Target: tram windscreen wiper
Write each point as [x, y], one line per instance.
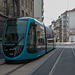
[19, 41]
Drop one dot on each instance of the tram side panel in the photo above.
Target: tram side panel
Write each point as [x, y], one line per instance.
[40, 39]
[36, 39]
[49, 38]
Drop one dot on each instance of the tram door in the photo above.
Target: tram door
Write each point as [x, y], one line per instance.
[31, 42]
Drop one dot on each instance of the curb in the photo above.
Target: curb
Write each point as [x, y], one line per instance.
[1, 55]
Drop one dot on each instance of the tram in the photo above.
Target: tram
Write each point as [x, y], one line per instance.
[26, 38]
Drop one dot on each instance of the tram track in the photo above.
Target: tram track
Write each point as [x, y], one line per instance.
[14, 70]
[51, 72]
[53, 61]
[2, 64]
[17, 67]
[47, 65]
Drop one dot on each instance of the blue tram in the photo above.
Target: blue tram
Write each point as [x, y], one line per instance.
[26, 38]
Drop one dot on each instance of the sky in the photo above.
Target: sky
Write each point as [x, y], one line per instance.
[54, 8]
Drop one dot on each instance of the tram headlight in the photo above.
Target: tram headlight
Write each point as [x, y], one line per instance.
[18, 50]
[5, 50]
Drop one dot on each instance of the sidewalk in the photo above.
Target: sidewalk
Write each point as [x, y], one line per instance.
[63, 42]
[1, 56]
[2, 61]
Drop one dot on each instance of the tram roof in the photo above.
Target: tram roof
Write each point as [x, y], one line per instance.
[26, 18]
[33, 19]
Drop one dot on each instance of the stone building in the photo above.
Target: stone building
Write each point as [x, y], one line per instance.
[14, 8]
[26, 8]
[2, 20]
[19, 8]
[58, 30]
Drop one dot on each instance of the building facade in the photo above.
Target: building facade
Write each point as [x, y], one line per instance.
[2, 18]
[19, 8]
[39, 10]
[27, 8]
[65, 27]
[53, 24]
[58, 30]
[69, 17]
[62, 29]
[14, 8]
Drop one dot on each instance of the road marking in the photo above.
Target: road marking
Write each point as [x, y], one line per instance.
[51, 72]
[73, 51]
[30, 73]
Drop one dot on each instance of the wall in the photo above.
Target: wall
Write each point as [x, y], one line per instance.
[1, 5]
[71, 16]
[38, 10]
[2, 21]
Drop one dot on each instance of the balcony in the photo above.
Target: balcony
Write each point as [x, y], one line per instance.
[57, 26]
[6, 11]
[64, 17]
[65, 21]
[42, 2]
[43, 9]
[42, 17]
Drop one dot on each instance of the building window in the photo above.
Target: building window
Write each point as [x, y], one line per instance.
[5, 7]
[26, 14]
[15, 9]
[42, 1]
[22, 13]
[26, 3]
[22, 1]
[31, 5]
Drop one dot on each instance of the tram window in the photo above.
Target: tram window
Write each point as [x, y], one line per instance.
[49, 36]
[31, 36]
[14, 31]
[31, 41]
[40, 33]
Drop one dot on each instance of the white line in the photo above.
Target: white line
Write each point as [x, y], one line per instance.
[42, 62]
[73, 51]
[51, 72]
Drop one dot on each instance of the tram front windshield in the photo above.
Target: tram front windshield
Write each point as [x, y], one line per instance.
[15, 32]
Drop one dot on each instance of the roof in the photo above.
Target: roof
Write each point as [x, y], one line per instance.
[20, 18]
[25, 18]
[68, 11]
